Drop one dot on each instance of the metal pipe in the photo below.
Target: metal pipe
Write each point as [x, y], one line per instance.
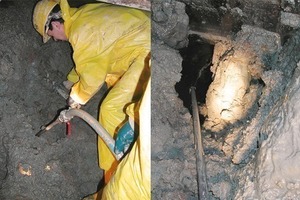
[48, 127]
[200, 161]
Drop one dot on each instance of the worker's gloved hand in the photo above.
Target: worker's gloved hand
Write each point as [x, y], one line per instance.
[124, 139]
[72, 103]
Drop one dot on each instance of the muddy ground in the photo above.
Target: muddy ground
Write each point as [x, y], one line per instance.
[54, 166]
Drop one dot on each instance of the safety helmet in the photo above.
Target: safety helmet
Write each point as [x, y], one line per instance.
[40, 16]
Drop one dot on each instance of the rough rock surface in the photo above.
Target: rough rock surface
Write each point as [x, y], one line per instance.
[278, 135]
[170, 23]
[250, 152]
[173, 154]
[277, 168]
[52, 166]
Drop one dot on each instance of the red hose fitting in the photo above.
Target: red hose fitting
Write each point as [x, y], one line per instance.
[68, 128]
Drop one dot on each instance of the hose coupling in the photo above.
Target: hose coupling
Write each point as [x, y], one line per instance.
[64, 117]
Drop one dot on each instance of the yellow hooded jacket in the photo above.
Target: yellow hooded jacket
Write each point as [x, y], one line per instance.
[104, 47]
[110, 44]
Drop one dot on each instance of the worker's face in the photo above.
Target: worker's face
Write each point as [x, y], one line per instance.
[58, 31]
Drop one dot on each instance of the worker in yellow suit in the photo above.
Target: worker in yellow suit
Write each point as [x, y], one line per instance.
[110, 44]
[132, 178]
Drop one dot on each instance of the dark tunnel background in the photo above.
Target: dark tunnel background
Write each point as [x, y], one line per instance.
[195, 72]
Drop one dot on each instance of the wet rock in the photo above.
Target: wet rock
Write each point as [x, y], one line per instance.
[173, 170]
[282, 144]
[170, 23]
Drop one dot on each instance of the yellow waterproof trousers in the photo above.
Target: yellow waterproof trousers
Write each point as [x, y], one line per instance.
[127, 90]
[132, 178]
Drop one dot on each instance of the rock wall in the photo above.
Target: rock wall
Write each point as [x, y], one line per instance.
[251, 148]
[173, 154]
[277, 168]
[51, 166]
[277, 158]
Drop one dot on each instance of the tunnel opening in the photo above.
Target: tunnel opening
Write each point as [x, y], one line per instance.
[197, 57]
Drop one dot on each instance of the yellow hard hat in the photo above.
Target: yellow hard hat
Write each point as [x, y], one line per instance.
[40, 16]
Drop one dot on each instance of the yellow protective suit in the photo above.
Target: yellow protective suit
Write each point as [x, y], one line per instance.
[132, 178]
[110, 43]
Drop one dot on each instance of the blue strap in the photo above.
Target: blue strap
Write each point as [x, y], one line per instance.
[124, 138]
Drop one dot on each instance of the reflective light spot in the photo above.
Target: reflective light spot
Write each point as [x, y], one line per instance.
[24, 169]
[47, 168]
